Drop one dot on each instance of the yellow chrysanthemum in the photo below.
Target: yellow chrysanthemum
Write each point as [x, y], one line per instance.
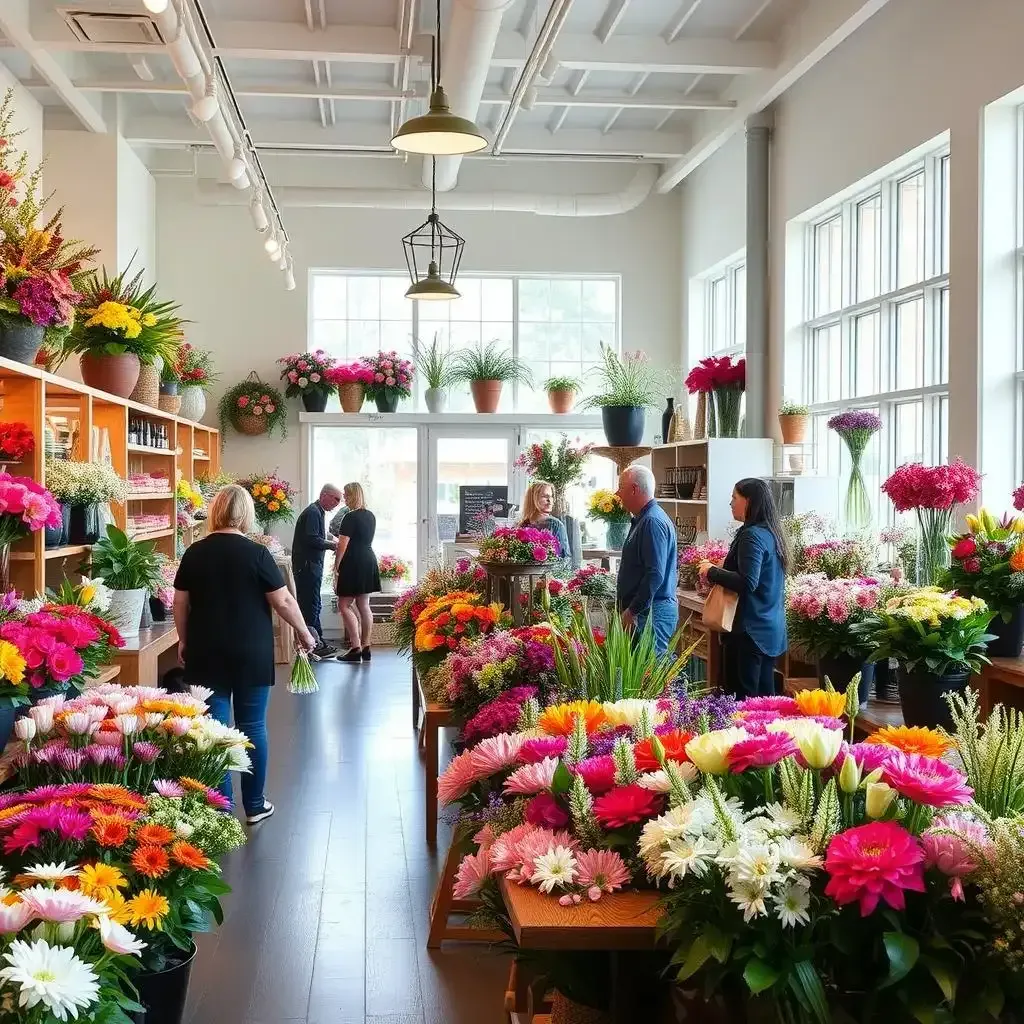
[821, 702]
[148, 320]
[148, 908]
[12, 664]
[100, 880]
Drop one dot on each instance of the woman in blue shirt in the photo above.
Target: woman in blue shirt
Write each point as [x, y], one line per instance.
[755, 570]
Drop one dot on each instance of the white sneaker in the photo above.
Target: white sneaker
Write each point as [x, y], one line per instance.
[255, 819]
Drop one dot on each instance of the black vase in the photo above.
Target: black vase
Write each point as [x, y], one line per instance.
[386, 402]
[314, 401]
[1009, 636]
[157, 610]
[53, 536]
[666, 419]
[84, 524]
[921, 696]
[20, 342]
[841, 668]
[164, 994]
[65, 516]
[623, 425]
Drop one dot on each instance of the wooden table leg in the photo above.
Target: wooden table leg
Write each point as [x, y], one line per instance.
[430, 788]
[415, 700]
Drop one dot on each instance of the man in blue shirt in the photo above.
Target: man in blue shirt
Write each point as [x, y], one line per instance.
[309, 545]
[648, 573]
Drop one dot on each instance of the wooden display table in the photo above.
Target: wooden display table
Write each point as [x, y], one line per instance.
[502, 575]
[435, 717]
[144, 658]
[1002, 682]
[710, 647]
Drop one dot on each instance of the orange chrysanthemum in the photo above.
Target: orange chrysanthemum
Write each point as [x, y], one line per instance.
[118, 796]
[559, 719]
[192, 784]
[912, 739]
[151, 861]
[111, 831]
[147, 908]
[153, 835]
[189, 856]
[821, 702]
[13, 811]
[1017, 560]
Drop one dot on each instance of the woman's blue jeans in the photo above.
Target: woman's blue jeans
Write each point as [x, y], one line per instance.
[250, 703]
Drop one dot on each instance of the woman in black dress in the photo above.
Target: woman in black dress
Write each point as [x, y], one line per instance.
[356, 573]
[224, 591]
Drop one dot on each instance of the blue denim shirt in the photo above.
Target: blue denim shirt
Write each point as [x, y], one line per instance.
[648, 572]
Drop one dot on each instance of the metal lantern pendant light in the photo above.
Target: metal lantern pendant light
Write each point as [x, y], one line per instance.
[439, 132]
[433, 246]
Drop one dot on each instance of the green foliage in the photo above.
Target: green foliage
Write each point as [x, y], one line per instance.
[628, 380]
[490, 362]
[435, 364]
[562, 384]
[125, 564]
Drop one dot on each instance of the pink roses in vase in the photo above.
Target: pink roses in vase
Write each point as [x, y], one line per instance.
[391, 382]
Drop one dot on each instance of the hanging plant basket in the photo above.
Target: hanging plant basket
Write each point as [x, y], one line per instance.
[253, 407]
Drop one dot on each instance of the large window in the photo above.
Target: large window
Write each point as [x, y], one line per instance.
[725, 311]
[876, 329]
[1018, 465]
[554, 324]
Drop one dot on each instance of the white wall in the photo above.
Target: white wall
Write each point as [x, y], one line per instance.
[136, 213]
[28, 117]
[212, 261]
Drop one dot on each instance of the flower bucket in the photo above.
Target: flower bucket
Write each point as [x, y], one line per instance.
[623, 425]
[840, 669]
[616, 534]
[727, 411]
[314, 401]
[251, 425]
[164, 993]
[193, 403]
[389, 586]
[921, 697]
[386, 402]
[793, 429]
[147, 389]
[21, 341]
[170, 387]
[351, 396]
[117, 375]
[126, 610]
[561, 400]
[8, 713]
[54, 536]
[84, 524]
[1009, 636]
[486, 394]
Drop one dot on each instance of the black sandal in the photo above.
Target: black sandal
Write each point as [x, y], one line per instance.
[366, 654]
[352, 657]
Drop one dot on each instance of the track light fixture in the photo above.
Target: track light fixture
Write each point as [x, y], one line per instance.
[271, 245]
[206, 107]
[258, 213]
[289, 278]
[155, 6]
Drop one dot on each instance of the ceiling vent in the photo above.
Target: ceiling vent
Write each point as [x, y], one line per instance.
[112, 28]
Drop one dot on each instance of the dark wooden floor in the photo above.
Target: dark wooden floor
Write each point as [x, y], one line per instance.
[327, 921]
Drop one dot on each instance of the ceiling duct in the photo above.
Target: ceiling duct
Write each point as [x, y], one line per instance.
[111, 28]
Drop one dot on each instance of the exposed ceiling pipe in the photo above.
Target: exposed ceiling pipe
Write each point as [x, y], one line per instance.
[535, 62]
[469, 41]
[587, 204]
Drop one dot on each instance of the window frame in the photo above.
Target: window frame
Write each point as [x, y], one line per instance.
[726, 276]
[1018, 300]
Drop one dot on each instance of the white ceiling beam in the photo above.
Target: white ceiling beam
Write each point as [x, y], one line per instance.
[610, 21]
[14, 23]
[675, 28]
[752, 20]
[810, 37]
[179, 132]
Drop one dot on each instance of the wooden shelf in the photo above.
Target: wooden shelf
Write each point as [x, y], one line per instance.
[685, 501]
[147, 496]
[155, 535]
[142, 449]
[63, 552]
[200, 458]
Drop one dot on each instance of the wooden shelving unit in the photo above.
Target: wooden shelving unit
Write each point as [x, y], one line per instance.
[33, 396]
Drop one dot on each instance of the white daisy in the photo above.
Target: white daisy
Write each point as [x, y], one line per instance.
[556, 867]
[785, 817]
[51, 872]
[794, 852]
[686, 857]
[202, 693]
[750, 898]
[793, 902]
[51, 975]
[757, 864]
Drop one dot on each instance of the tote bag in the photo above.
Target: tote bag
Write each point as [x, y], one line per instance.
[720, 609]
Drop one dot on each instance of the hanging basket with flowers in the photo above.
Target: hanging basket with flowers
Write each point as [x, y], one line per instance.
[253, 407]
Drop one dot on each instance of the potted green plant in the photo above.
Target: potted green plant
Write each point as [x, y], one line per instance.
[628, 385]
[131, 569]
[793, 421]
[487, 368]
[83, 487]
[195, 370]
[561, 393]
[253, 407]
[436, 366]
[122, 327]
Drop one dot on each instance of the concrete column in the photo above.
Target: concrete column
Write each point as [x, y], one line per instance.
[760, 400]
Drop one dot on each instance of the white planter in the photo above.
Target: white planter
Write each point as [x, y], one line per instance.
[125, 610]
[389, 586]
[436, 399]
[193, 403]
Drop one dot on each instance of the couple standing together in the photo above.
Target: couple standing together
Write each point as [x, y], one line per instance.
[356, 575]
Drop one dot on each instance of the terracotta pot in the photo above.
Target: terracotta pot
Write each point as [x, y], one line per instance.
[351, 396]
[486, 394]
[117, 375]
[561, 400]
[793, 428]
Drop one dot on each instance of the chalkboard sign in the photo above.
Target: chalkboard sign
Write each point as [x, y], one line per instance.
[478, 503]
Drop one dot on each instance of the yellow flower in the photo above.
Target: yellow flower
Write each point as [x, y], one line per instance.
[279, 494]
[12, 664]
[100, 879]
[148, 908]
[821, 702]
[710, 751]
[148, 320]
[819, 746]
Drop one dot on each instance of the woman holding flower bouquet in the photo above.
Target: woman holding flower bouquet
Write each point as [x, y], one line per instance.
[357, 574]
[224, 591]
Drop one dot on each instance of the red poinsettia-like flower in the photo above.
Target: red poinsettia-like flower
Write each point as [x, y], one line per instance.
[627, 805]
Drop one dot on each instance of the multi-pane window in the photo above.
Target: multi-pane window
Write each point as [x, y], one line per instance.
[877, 320]
[1019, 296]
[555, 325]
[725, 312]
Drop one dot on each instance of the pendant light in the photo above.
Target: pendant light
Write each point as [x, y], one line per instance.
[433, 246]
[439, 132]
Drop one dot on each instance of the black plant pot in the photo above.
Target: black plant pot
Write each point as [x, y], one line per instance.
[886, 687]
[921, 696]
[1009, 636]
[53, 536]
[65, 516]
[623, 425]
[386, 402]
[20, 342]
[84, 524]
[666, 419]
[169, 387]
[314, 401]
[157, 610]
[164, 994]
[841, 668]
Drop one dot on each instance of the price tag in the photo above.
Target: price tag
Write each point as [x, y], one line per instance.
[376, 417]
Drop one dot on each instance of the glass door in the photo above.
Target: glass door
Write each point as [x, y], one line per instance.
[456, 457]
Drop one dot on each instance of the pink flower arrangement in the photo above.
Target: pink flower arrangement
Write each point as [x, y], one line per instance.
[822, 612]
[307, 372]
[519, 544]
[25, 507]
[954, 846]
[926, 780]
[392, 567]
[915, 486]
[692, 555]
[349, 373]
[717, 372]
[391, 375]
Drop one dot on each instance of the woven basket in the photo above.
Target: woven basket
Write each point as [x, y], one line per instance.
[700, 419]
[680, 429]
[170, 403]
[565, 1011]
[147, 390]
[251, 425]
[351, 396]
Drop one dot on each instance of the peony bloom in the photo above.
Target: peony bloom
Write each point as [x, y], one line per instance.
[953, 845]
[926, 780]
[545, 811]
[473, 871]
[710, 752]
[50, 975]
[598, 773]
[627, 805]
[912, 739]
[761, 751]
[532, 778]
[875, 862]
[826, 703]
[600, 871]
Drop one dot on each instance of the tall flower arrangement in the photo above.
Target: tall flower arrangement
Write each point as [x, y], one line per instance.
[559, 465]
[932, 492]
[856, 428]
[391, 380]
[724, 380]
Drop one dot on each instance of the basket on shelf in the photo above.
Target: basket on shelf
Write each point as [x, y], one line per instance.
[170, 404]
[147, 389]
[700, 418]
[679, 430]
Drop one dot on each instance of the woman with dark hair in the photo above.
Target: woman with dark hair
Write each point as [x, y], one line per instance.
[755, 570]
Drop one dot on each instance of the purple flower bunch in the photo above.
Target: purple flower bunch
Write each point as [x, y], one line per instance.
[47, 301]
[690, 714]
[856, 428]
[498, 715]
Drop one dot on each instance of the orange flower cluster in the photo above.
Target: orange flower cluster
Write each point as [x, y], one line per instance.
[912, 739]
[829, 703]
[560, 719]
[447, 621]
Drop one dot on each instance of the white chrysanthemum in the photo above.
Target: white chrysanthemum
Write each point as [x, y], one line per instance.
[685, 857]
[557, 867]
[51, 975]
[238, 760]
[794, 852]
[750, 898]
[785, 817]
[656, 782]
[203, 693]
[50, 872]
[793, 902]
[755, 864]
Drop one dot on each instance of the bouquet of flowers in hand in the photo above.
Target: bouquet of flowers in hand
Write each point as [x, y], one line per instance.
[559, 465]
[27, 507]
[607, 507]
[447, 622]
[838, 559]
[821, 613]
[391, 567]
[303, 678]
[988, 562]
[17, 442]
[273, 498]
[307, 373]
[438, 581]
[690, 558]
[392, 376]
[592, 581]
[524, 545]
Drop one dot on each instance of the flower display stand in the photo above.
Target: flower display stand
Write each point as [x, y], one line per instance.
[505, 583]
[444, 905]
[622, 457]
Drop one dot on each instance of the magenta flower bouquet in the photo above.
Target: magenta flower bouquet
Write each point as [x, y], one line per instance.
[524, 545]
[821, 613]
[391, 380]
[692, 555]
[25, 507]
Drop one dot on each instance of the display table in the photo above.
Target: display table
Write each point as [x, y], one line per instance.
[435, 717]
[107, 674]
[1002, 682]
[144, 658]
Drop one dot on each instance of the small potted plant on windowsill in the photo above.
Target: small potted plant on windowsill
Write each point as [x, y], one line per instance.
[308, 378]
[562, 393]
[627, 387]
[391, 380]
[436, 367]
[793, 421]
[131, 569]
[487, 368]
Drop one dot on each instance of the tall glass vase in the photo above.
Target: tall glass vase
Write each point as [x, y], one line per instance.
[727, 411]
[933, 528]
[857, 510]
